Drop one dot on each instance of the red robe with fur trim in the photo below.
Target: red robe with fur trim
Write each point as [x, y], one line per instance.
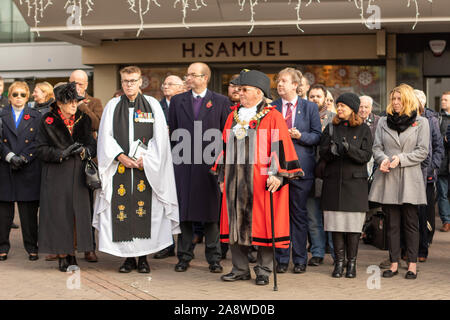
[243, 166]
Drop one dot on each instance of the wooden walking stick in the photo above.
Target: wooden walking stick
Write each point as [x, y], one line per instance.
[275, 286]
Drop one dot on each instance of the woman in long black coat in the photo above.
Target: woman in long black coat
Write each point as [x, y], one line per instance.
[20, 171]
[345, 149]
[64, 140]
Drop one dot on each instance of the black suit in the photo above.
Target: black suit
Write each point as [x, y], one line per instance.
[23, 185]
[165, 108]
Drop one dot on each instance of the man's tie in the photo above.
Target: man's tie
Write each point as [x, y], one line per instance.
[196, 106]
[288, 117]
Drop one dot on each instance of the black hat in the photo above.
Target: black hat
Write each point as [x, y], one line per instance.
[256, 79]
[350, 99]
[67, 92]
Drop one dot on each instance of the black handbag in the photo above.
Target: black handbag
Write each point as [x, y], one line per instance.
[375, 230]
[92, 176]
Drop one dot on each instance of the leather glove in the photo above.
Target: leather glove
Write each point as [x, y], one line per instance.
[344, 146]
[334, 149]
[17, 162]
[78, 150]
[68, 151]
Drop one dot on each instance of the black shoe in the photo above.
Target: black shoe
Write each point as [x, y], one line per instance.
[181, 266]
[164, 253]
[63, 264]
[338, 271]
[233, 277]
[282, 268]
[3, 258]
[251, 258]
[223, 256]
[299, 268]
[72, 260]
[33, 257]
[143, 266]
[389, 273]
[215, 267]
[315, 261]
[262, 280]
[128, 265]
[351, 269]
[14, 226]
[411, 275]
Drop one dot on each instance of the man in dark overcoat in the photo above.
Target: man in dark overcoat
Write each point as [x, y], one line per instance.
[192, 113]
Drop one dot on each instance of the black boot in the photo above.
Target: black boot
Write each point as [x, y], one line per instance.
[339, 252]
[72, 260]
[352, 252]
[63, 264]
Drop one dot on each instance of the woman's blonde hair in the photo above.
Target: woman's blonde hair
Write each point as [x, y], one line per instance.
[408, 98]
[47, 89]
[18, 84]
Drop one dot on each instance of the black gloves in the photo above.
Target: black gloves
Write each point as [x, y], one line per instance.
[17, 162]
[71, 150]
[339, 148]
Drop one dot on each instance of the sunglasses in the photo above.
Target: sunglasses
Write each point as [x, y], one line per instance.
[15, 95]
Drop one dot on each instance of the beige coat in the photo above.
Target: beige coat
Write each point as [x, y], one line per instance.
[405, 183]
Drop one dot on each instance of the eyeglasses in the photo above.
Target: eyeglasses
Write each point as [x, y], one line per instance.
[246, 89]
[131, 82]
[15, 95]
[193, 75]
[170, 84]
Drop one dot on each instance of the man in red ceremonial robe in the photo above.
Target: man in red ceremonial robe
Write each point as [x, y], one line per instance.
[258, 158]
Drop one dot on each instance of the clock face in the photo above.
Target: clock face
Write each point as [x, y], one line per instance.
[145, 82]
[365, 78]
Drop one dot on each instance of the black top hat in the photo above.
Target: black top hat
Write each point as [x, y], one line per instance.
[67, 92]
[256, 79]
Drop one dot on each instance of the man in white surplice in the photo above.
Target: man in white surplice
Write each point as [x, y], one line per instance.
[124, 118]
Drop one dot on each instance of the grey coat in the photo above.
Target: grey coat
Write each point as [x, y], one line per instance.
[405, 183]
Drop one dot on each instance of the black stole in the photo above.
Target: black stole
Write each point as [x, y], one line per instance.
[132, 195]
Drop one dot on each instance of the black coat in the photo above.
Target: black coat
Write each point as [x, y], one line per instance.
[197, 190]
[165, 108]
[64, 195]
[22, 184]
[345, 186]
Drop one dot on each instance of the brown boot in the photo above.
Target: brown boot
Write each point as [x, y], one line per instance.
[90, 256]
[445, 227]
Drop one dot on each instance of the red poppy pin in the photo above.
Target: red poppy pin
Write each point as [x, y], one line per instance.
[252, 124]
[26, 117]
[209, 104]
[49, 120]
[138, 112]
[414, 124]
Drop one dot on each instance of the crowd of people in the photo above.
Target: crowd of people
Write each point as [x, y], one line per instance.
[298, 170]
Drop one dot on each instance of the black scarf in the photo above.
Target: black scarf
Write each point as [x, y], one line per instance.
[400, 123]
[132, 194]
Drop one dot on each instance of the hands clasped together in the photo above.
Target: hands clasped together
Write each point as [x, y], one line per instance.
[387, 164]
[339, 148]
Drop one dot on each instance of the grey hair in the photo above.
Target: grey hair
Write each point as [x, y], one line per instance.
[368, 98]
[421, 97]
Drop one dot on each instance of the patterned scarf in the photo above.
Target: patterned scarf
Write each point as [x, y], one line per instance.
[68, 122]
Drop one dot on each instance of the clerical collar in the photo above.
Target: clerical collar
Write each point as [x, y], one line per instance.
[202, 95]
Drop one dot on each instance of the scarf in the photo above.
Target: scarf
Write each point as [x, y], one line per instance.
[400, 123]
[69, 122]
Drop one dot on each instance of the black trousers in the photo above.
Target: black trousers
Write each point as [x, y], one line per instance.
[185, 250]
[427, 221]
[28, 224]
[403, 218]
[91, 199]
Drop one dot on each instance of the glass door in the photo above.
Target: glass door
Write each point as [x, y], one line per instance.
[435, 88]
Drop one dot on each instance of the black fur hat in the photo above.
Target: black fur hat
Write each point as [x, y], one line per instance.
[67, 92]
[256, 79]
[350, 99]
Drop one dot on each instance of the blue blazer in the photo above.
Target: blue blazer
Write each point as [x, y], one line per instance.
[307, 121]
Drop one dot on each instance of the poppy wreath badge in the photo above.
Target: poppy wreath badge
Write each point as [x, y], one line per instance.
[26, 117]
[209, 104]
[253, 124]
[49, 120]
[414, 124]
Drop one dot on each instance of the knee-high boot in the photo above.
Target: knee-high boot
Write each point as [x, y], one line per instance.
[339, 252]
[352, 252]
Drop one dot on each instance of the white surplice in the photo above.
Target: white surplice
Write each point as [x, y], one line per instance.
[158, 168]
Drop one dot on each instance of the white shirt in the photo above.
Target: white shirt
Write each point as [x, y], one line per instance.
[203, 94]
[245, 114]
[294, 108]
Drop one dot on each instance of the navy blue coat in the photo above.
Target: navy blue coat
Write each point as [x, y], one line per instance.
[197, 190]
[22, 184]
[433, 161]
[165, 108]
[307, 121]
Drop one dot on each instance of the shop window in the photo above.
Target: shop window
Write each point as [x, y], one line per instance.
[153, 78]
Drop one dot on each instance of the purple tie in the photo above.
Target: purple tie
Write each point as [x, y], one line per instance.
[196, 106]
[288, 117]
